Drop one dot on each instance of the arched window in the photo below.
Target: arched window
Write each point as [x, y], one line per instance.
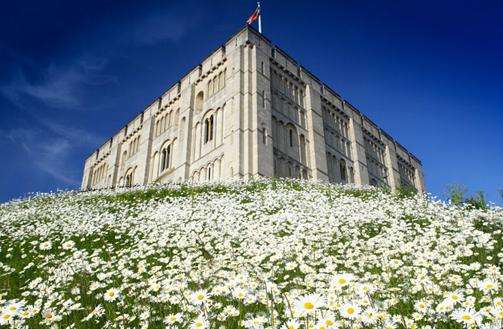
[129, 178]
[290, 136]
[208, 129]
[165, 157]
[344, 175]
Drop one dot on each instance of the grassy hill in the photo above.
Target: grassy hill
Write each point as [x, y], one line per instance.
[265, 254]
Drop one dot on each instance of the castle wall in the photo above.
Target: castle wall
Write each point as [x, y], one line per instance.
[250, 110]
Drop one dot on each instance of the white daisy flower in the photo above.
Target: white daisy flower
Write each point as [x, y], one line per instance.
[46, 245]
[349, 311]
[466, 316]
[111, 295]
[200, 297]
[199, 323]
[308, 304]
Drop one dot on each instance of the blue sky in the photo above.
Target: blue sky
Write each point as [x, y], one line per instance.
[430, 73]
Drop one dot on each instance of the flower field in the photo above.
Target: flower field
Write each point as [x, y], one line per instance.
[264, 254]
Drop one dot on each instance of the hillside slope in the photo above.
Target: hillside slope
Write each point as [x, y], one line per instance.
[267, 254]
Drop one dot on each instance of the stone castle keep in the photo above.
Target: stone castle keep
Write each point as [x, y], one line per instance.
[250, 110]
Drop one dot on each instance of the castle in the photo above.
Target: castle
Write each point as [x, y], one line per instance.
[250, 110]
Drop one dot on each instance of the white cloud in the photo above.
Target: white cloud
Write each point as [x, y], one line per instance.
[59, 87]
[50, 150]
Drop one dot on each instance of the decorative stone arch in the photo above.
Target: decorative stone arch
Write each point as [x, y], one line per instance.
[166, 155]
[209, 122]
[129, 177]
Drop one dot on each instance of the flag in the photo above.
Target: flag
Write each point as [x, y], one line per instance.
[254, 16]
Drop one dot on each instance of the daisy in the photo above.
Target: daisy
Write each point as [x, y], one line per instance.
[46, 245]
[111, 295]
[308, 304]
[239, 293]
[292, 324]
[454, 297]
[498, 302]
[5, 318]
[341, 280]
[49, 317]
[13, 308]
[68, 245]
[488, 285]
[327, 321]
[173, 318]
[497, 313]
[349, 311]
[200, 297]
[200, 323]
[466, 316]
[421, 306]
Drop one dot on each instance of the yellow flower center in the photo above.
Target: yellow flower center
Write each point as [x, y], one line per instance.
[466, 317]
[342, 281]
[199, 324]
[350, 310]
[6, 316]
[200, 297]
[308, 305]
[329, 322]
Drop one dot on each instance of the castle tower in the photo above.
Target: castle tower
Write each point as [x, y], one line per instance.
[250, 110]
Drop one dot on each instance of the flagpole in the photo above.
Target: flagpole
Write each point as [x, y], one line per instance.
[259, 18]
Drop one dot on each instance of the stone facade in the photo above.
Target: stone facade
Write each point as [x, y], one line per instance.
[250, 110]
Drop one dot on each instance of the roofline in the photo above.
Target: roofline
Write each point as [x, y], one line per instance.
[320, 81]
[248, 27]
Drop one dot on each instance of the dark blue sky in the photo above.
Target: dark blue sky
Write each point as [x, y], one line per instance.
[430, 73]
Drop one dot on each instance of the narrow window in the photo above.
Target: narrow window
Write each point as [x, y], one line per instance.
[343, 171]
[163, 160]
[206, 130]
[211, 130]
[168, 156]
[290, 131]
